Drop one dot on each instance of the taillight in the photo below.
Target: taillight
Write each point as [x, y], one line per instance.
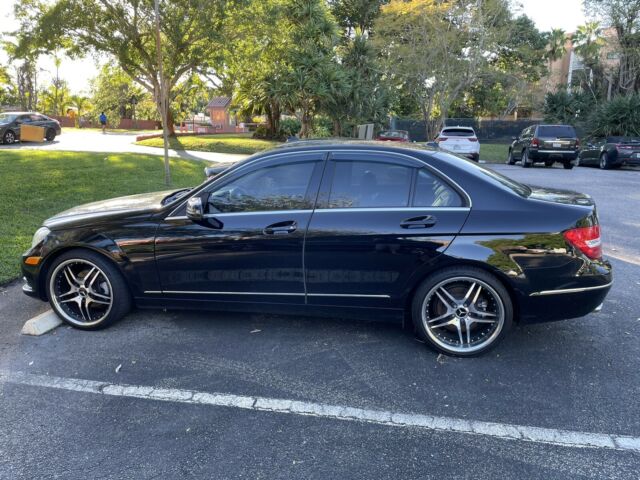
[472, 139]
[625, 147]
[535, 142]
[586, 239]
[441, 139]
[577, 142]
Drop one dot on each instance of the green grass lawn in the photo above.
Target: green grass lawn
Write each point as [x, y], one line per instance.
[221, 143]
[38, 184]
[494, 152]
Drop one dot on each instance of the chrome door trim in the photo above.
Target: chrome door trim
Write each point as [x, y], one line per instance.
[569, 290]
[193, 292]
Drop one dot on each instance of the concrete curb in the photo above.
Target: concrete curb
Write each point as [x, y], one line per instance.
[41, 324]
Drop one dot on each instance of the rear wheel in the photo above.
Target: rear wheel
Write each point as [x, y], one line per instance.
[86, 290]
[9, 138]
[525, 159]
[462, 311]
[567, 165]
[50, 135]
[604, 161]
[549, 163]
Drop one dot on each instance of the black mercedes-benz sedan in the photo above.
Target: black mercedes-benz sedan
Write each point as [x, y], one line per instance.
[337, 228]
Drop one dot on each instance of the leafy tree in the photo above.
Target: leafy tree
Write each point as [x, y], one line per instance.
[356, 16]
[624, 17]
[8, 92]
[124, 30]
[435, 50]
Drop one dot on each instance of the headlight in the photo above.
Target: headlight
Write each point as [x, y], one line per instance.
[39, 236]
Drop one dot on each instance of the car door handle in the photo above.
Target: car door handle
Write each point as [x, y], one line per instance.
[424, 221]
[281, 228]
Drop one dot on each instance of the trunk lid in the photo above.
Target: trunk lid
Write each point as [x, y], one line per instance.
[566, 197]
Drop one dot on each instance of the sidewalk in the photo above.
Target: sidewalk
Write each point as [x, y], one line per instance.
[91, 141]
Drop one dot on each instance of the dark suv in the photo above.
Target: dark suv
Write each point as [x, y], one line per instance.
[545, 143]
[10, 123]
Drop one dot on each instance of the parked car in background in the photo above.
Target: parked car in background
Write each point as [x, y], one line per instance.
[460, 140]
[10, 123]
[394, 136]
[333, 228]
[611, 152]
[545, 143]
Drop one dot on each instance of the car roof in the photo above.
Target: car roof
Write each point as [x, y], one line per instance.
[349, 142]
[22, 113]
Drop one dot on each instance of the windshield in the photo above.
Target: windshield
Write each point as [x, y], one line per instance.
[7, 117]
[557, 131]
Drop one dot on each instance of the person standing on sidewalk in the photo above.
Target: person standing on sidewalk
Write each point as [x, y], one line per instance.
[103, 122]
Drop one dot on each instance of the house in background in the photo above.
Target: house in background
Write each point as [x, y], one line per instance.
[221, 118]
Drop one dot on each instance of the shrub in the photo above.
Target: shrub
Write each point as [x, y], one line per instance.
[289, 127]
[620, 116]
[261, 132]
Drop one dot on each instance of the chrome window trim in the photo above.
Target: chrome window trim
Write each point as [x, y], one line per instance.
[569, 290]
[328, 150]
[259, 212]
[193, 292]
[392, 209]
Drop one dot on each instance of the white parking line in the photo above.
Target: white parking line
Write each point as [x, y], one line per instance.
[504, 431]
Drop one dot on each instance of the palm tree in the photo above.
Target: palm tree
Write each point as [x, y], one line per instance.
[81, 104]
[556, 48]
[587, 42]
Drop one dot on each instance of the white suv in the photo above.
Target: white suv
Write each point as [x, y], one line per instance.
[460, 140]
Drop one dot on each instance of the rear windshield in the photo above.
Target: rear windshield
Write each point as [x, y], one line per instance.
[623, 140]
[557, 131]
[458, 132]
[394, 134]
[516, 187]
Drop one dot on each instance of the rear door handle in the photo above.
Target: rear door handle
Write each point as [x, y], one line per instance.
[424, 221]
[281, 228]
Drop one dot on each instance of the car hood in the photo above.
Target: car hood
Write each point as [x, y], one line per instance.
[141, 203]
[566, 197]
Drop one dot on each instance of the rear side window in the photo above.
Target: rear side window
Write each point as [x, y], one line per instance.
[557, 131]
[458, 132]
[431, 191]
[370, 184]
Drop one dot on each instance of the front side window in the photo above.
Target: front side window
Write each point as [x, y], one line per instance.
[281, 187]
[431, 191]
[362, 184]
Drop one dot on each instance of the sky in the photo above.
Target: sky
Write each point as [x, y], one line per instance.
[547, 14]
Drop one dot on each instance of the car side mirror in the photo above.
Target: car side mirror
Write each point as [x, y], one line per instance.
[590, 145]
[513, 139]
[195, 209]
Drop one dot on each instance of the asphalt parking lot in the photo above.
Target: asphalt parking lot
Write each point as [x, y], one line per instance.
[579, 376]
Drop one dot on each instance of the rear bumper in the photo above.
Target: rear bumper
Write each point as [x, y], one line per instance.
[565, 303]
[630, 160]
[556, 155]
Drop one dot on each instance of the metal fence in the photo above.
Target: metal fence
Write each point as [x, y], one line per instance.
[486, 130]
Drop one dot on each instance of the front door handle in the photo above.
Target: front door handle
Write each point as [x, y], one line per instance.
[281, 228]
[424, 221]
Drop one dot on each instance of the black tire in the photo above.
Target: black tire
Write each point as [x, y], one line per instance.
[50, 135]
[525, 159]
[549, 163]
[567, 165]
[110, 284]
[489, 287]
[510, 160]
[9, 138]
[604, 162]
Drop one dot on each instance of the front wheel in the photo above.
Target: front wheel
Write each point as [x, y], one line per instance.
[462, 311]
[87, 291]
[567, 165]
[510, 159]
[548, 163]
[50, 135]
[604, 161]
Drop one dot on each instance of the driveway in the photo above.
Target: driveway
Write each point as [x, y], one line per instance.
[92, 141]
[212, 395]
